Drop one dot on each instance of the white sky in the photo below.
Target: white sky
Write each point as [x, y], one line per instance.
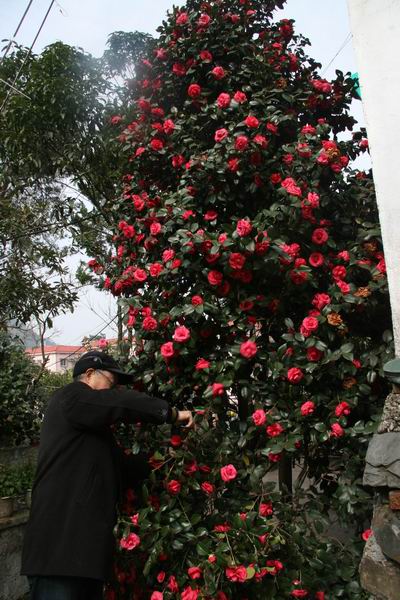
[87, 23]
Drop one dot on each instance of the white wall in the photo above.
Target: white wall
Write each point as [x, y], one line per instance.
[375, 25]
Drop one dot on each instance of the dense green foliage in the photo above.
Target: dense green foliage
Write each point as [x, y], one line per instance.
[249, 260]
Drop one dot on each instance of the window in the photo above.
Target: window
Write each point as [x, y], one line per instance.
[63, 362]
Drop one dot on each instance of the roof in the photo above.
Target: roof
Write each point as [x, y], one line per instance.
[56, 349]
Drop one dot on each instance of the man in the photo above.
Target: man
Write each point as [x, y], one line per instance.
[69, 542]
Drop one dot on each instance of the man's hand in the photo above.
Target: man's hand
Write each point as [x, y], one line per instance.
[185, 418]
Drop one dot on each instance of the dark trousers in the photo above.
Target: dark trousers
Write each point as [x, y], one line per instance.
[65, 588]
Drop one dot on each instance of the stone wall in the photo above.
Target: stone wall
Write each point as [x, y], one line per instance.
[12, 585]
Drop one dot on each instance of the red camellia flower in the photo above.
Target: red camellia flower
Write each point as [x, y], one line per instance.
[320, 301]
[140, 275]
[218, 72]
[157, 596]
[214, 277]
[337, 430]
[194, 572]
[149, 324]
[252, 122]
[207, 488]
[241, 143]
[197, 300]
[366, 534]
[274, 430]
[320, 236]
[220, 135]
[168, 126]
[130, 541]
[190, 594]
[155, 228]
[167, 350]
[203, 20]
[295, 375]
[316, 259]
[182, 18]
[310, 324]
[319, 595]
[172, 585]
[206, 56]
[236, 260]
[202, 364]
[156, 144]
[238, 574]
[243, 227]
[299, 593]
[228, 473]
[290, 186]
[313, 354]
[248, 349]
[168, 254]
[342, 408]
[173, 487]
[223, 100]
[218, 389]
[307, 408]
[194, 90]
[176, 441]
[233, 164]
[223, 528]
[240, 97]
[259, 417]
[179, 69]
[265, 509]
[155, 269]
[260, 140]
[181, 334]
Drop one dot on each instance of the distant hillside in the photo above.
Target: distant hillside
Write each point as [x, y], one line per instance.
[28, 336]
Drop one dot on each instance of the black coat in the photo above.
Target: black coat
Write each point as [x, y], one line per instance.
[78, 478]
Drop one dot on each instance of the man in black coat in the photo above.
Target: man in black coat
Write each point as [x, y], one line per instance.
[69, 543]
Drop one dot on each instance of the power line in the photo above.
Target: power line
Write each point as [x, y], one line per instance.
[342, 47]
[91, 338]
[27, 55]
[16, 31]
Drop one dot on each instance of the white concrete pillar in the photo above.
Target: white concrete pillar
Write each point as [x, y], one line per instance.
[375, 25]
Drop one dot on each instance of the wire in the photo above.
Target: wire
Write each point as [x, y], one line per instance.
[27, 55]
[15, 89]
[16, 31]
[342, 47]
[93, 337]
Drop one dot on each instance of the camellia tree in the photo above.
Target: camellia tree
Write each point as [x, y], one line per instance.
[249, 261]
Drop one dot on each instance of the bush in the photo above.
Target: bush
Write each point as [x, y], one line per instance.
[249, 260]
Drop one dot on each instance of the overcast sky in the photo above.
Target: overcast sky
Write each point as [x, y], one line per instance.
[87, 23]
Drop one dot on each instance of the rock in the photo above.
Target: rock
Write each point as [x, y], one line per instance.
[390, 420]
[383, 461]
[379, 575]
[386, 528]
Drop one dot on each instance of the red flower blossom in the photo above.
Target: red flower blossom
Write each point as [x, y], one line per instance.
[313, 354]
[181, 334]
[223, 100]
[218, 389]
[274, 430]
[320, 301]
[190, 594]
[208, 488]
[240, 97]
[194, 90]
[366, 534]
[316, 259]
[228, 473]
[218, 72]
[307, 408]
[214, 277]
[241, 143]
[252, 122]
[220, 135]
[238, 574]
[173, 487]
[342, 408]
[337, 430]
[197, 300]
[259, 417]
[149, 324]
[243, 227]
[130, 541]
[206, 56]
[295, 375]
[265, 509]
[233, 164]
[248, 349]
[320, 236]
[236, 260]
[203, 20]
[167, 350]
[194, 572]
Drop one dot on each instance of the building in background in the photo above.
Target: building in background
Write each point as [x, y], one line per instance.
[62, 358]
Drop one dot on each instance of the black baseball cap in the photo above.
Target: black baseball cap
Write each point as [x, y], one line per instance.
[102, 361]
